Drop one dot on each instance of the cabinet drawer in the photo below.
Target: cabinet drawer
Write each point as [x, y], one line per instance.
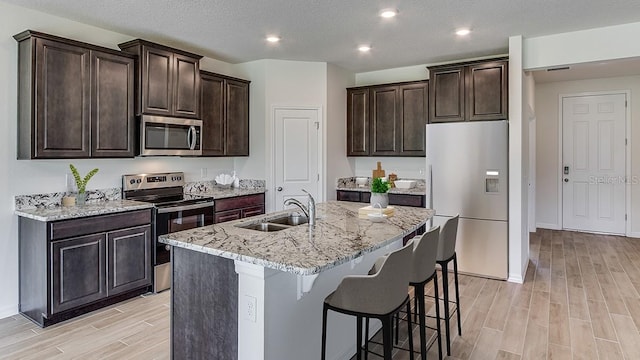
[406, 200]
[239, 202]
[348, 196]
[253, 211]
[227, 216]
[97, 224]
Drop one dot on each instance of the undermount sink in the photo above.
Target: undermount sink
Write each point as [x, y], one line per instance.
[290, 219]
[266, 227]
[276, 224]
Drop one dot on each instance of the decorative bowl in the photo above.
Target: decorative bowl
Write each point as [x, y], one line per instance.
[405, 184]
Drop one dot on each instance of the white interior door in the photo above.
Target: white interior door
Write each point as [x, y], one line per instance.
[594, 163]
[297, 161]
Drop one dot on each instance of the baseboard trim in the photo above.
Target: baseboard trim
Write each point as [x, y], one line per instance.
[634, 234]
[548, 226]
[8, 311]
[515, 278]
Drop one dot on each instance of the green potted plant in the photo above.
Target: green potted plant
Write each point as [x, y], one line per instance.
[81, 183]
[379, 195]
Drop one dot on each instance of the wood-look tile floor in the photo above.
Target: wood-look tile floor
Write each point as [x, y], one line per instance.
[134, 329]
[580, 300]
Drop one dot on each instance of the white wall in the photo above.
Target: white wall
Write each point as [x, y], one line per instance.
[518, 158]
[41, 176]
[337, 164]
[548, 152]
[278, 83]
[600, 44]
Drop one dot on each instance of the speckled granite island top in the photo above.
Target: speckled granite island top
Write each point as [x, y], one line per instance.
[339, 236]
[79, 211]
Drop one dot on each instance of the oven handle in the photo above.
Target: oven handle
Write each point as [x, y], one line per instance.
[185, 207]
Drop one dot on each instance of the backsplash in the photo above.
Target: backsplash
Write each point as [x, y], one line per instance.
[55, 199]
[208, 185]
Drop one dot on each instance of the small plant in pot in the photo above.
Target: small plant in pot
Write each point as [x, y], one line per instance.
[379, 195]
[81, 183]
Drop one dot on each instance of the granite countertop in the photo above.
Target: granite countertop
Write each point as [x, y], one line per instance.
[55, 213]
[222, 193]
[338, 237]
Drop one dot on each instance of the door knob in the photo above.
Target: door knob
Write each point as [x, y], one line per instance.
[279, 188]
[566, 180]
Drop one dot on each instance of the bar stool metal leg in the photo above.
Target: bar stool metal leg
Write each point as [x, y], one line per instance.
[445, 293]
[409, 330]
[420, 310]
[435, 289]
[324, 332]
[387, 335]
[359, 337]
[455, 274]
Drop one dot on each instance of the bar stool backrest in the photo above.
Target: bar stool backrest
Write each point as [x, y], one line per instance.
[379, 293]
[425, 250]
[447, 243]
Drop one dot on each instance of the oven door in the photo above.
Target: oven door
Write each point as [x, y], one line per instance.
[176, 218]
[170, 136]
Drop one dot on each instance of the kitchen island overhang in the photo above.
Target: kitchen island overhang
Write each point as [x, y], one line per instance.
[260, 296]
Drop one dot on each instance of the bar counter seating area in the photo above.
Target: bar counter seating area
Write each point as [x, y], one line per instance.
[262, 288]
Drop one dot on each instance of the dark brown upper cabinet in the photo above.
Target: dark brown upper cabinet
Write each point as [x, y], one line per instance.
[358, 122]
[469, 91]
[168, 80]
[225, 115]
[387, 120]
[75, 100]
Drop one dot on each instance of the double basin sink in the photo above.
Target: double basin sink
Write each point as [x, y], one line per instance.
[281, 222]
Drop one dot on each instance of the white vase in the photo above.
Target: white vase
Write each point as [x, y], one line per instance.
[81, 198]
[379, 198]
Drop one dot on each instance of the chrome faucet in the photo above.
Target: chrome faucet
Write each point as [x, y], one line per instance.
[309, 210]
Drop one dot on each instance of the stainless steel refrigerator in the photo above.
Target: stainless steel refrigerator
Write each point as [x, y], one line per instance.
[467, 175]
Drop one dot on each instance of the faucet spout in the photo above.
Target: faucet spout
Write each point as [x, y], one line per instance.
[309, 210]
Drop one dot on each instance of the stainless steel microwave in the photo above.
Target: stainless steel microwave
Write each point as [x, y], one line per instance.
[161, 135]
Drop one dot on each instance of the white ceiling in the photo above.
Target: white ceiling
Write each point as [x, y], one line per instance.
[331, 30]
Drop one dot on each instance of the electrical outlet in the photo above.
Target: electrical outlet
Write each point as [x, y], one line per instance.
[251, 305]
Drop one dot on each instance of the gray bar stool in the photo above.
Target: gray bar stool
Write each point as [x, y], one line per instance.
[425, 250]
[423, 270]
[446, 253]
[379, 295]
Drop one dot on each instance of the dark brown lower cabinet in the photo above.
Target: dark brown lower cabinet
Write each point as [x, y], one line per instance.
[394, 199]
[70, 267]
[238, 207]
[79, 272]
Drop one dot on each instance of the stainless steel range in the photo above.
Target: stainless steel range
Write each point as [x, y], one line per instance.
[173, 211]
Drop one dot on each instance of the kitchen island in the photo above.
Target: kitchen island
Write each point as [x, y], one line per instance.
[239, 293]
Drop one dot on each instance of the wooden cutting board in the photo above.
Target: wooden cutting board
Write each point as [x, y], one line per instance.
[378, 173]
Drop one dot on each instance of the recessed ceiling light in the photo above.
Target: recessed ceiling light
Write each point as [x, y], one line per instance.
[364, 48]
[463, 32]
[273, 39]
[388, 13]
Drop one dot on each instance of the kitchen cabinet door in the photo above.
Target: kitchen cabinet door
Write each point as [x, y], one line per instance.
[157, 81]
[487, 91]
[446, 95]
[237, 116]
[186, 86]
[112, 105]
[225, 115]
[128, 259]
[62, 100]
[213, 114]
[414, 110]
[385, 120]
[357, 122]
[78, 271]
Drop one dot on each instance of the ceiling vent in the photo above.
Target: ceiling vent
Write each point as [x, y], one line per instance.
[559, 68]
